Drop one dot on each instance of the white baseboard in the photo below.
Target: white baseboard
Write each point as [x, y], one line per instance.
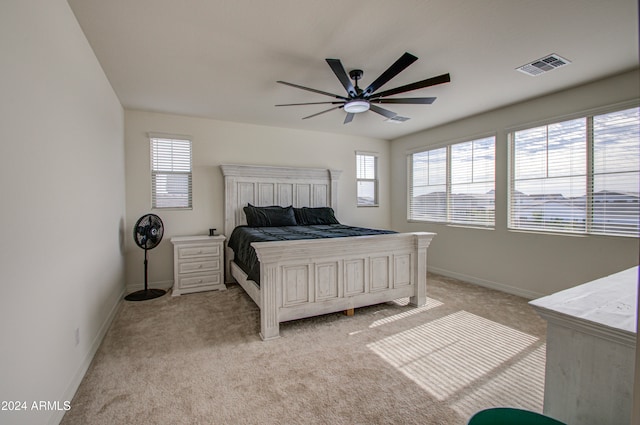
[88, 358]
[161, 284]
[531, 295]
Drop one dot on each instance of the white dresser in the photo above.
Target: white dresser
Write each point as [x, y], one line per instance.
[198, 264]
[591, 341]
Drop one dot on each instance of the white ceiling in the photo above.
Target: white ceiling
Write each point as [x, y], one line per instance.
[221, 58]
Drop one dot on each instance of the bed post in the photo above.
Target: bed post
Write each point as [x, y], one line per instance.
[334, 175]
[230, 201]
[422, 241]
[269, 320]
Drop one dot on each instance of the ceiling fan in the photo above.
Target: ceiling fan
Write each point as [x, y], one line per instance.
[359, 100]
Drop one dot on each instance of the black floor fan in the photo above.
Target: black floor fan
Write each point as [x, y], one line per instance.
[147, 233]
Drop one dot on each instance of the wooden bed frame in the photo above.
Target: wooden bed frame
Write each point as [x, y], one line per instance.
[305, 278]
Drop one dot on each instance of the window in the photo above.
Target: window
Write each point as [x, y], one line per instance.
[170, 172]
[367, 179]
[454, 184]
[577, 176]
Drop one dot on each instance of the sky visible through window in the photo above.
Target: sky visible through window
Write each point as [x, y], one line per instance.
[472, 163]
[553, 159]
[617, 152]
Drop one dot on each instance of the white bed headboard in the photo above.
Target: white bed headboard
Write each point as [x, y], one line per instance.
[284, 186]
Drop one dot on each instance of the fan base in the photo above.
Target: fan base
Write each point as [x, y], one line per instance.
[145, 294]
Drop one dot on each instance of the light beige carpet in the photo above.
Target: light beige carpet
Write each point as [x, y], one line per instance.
[198, 359]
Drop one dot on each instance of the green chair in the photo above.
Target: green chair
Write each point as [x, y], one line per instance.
[511, 416]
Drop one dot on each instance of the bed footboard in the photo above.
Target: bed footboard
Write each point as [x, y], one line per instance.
[307, 278]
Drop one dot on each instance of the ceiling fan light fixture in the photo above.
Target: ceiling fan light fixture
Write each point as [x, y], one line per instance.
[356, 106]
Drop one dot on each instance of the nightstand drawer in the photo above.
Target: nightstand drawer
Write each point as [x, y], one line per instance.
[211, 264]
[196, 281]
[199, 251]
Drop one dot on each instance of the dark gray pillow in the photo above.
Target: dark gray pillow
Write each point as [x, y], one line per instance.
[309, 216]
[272, 216]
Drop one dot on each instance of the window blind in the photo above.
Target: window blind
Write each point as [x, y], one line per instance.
[171, 177]
[616, 173]
[578, 176]
[472, 199]
[548, 191]
[367, 180]
[454, 184]
[428, 188]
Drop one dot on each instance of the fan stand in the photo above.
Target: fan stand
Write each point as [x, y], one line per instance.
[146, 293]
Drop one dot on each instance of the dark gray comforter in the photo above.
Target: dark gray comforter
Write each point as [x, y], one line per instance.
[245, 256]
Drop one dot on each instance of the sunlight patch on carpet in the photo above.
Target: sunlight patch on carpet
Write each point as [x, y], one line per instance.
[431, 303]
[451, 356]
[519, 385]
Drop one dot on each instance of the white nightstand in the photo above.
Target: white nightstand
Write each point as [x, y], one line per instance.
[198, 264]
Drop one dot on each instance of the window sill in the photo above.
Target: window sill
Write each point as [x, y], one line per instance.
[574, 235]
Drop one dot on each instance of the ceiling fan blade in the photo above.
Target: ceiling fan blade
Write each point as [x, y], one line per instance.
[385, 112]
[310, 103]
[313, 90]
[340, 72]
[322, 112]
[440, 79]
[348, 118]
[399, 65]
[408, 100]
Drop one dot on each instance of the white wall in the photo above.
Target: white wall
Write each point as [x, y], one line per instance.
[526, 263]
[62, 192]
[218, 142]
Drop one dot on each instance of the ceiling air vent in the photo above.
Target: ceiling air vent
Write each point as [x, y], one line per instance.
[397, 119]
[546, 64]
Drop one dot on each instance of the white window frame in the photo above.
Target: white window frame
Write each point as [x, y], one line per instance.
[451, 216]
[589, 175]
[361, 156]
[174, 163]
